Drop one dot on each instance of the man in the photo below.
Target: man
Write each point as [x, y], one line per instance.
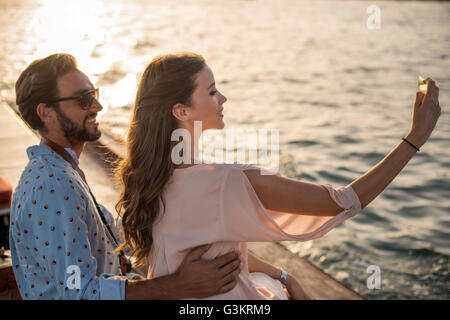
[61, 244]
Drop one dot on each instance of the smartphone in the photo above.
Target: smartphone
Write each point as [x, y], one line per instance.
[421, 85]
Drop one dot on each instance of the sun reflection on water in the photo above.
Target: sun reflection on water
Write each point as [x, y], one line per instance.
[81, 28]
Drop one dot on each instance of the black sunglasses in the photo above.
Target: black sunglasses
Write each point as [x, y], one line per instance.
[84, 100]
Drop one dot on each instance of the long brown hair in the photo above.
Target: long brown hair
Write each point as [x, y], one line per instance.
[167, 80]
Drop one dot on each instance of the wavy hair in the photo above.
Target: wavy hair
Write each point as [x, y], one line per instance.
[143, 173]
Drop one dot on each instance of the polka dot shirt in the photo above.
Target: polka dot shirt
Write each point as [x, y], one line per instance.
[59, 247]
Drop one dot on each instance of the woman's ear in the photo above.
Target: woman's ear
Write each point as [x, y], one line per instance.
[181, 111]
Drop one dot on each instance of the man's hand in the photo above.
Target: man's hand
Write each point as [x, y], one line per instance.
[197, 278]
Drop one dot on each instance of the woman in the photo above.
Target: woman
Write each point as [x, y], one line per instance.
[167, 208]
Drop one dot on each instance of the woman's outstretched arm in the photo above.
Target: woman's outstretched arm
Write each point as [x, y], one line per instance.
[293, 196]
[289, 195]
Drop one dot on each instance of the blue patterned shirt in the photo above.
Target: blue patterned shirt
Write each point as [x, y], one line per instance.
[59, 247]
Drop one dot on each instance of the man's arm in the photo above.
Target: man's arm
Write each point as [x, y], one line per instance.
[195, 278]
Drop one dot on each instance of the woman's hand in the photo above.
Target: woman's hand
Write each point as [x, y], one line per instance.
[426, 112]
[295, 290]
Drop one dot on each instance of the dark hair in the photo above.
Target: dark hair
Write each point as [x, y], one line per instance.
[167, 80]
[38, 84]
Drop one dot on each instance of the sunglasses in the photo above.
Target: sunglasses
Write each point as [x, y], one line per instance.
[84, 100]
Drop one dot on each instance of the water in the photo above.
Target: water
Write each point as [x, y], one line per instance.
[340, 93]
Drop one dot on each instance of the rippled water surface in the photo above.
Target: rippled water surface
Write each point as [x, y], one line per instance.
[341, 95]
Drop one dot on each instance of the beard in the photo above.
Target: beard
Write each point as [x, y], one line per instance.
[73, 132]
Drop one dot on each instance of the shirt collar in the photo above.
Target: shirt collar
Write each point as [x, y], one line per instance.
[44, 150]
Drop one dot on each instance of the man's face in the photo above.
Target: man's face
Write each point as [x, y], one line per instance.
[77, 125]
